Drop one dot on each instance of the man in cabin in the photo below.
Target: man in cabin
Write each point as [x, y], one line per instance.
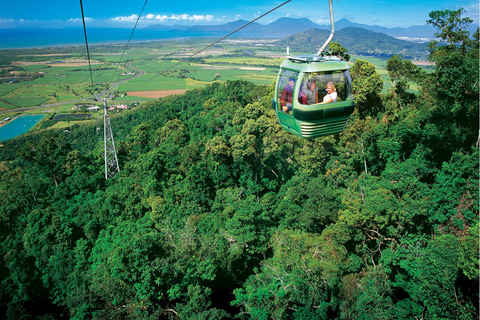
[286, 98]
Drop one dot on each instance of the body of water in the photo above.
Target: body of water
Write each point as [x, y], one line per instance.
[73, 115]
[19, 126]
[36, 38]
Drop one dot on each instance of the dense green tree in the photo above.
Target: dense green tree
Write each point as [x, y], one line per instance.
[401, 72]
[297, 282]
[337, 49]
[367, 85]
[218, 213]
[457, 65]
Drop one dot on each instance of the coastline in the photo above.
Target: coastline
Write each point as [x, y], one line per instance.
[12, 39]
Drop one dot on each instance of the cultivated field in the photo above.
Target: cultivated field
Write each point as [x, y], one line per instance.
[156, 93]
[57, 82]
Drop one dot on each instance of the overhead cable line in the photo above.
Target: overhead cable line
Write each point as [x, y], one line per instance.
[194, 54]
[86, 42]
[128, 42]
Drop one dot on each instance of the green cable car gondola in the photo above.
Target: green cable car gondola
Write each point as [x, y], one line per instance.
[313, 94]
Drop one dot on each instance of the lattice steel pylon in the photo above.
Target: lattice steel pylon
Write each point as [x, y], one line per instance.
[111, 161]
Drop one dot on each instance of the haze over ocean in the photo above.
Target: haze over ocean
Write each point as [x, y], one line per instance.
[35, 38]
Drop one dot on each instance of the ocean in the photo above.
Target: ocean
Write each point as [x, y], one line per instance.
[38, 38]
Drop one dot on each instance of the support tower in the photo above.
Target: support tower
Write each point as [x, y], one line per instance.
[111, 162]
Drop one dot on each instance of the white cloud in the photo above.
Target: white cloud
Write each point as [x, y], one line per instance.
[78, 20]
[161, 18]
[174, 17]
[130, 18]
[473, 12]
[295, 15]
[121, 21]
[323, 20]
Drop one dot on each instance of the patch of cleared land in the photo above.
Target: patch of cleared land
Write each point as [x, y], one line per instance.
[155, 93]
[423, 63]
[60, 64]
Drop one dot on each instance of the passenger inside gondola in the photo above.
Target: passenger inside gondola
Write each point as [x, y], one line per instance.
[331, 95]
[309, 92]
[286, 98]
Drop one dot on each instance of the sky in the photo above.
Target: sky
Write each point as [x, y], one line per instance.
[124, 13]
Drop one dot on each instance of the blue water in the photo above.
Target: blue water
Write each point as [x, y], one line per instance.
[19, 126]
[34, 38]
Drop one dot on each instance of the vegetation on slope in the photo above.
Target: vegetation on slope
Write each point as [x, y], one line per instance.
[359, 41]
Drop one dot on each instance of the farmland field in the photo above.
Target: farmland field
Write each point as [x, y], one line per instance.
[143, 72]
[4, 105]
[152, 81]
[25, 101]
[4, 89]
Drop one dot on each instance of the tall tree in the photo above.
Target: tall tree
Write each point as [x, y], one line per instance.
[456, 78]
[367, 85]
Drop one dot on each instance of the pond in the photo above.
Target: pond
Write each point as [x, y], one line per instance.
[72, 115]
[19, 126]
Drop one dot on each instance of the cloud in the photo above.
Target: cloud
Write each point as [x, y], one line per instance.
[473, 11]
[323, 21]
[54, 23]
[130, 18]
[78, 20]
[165, 18]
[119, 21]
[258, 14]
[161, 18]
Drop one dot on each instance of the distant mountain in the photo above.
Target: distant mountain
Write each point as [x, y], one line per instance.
[221, 28]
[229, 27]
[425, 31]
[305, 35]
[417, 31]
[358, 41]
[284, 27]
[277, 29]
[288, 26]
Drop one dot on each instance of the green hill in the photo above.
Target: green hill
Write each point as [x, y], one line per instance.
[358, 41]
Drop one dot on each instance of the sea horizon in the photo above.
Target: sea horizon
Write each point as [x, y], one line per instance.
[27, 38]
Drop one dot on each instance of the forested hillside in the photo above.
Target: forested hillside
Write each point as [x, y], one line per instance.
[358, 41]
[218, 213]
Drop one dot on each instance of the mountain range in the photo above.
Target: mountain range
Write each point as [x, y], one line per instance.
[284, 27]
[357, 41]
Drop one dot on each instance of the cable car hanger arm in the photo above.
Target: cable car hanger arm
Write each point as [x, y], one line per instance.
[332, 24]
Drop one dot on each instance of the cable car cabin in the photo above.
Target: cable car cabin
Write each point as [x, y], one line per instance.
[303, 84]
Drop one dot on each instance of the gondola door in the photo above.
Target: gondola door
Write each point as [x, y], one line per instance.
[285, 97]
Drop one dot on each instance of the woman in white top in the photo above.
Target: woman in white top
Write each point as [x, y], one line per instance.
[331, 95]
